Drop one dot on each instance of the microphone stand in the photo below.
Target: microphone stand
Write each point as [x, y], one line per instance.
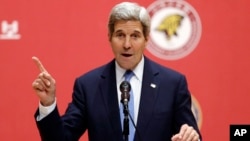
[126, 122]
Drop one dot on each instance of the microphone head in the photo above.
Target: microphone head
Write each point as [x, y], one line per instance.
[125, 86]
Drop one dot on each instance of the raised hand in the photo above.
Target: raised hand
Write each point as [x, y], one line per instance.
[44, 85]
[187, 133]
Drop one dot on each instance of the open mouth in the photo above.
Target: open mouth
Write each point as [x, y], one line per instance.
[126, 55]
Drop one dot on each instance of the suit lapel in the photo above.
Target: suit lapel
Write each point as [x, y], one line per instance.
[109, 94]
[148, 95]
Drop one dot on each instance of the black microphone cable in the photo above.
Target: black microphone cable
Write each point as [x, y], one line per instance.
[136, 131]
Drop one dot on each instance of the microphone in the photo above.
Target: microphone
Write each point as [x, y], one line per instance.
[125, 88]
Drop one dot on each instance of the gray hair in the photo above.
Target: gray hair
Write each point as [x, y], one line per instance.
[129, 11]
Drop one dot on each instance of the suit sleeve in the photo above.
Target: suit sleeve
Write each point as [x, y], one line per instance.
[50, 127]
[183, 112]
[68, 127]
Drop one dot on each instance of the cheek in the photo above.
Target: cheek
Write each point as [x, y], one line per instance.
[115, 48]
[115, 43]
[140, 49]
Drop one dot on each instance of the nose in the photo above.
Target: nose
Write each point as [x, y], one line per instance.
[127, 43]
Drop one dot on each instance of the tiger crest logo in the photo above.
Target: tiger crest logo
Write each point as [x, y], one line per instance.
[175, 29]
[170, 24]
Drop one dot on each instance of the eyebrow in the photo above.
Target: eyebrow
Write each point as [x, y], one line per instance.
[138, 32]
[135, 31]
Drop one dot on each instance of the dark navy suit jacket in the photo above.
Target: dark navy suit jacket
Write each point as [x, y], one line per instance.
[94, 107]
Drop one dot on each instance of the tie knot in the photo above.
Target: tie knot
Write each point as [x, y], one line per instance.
[128, 75]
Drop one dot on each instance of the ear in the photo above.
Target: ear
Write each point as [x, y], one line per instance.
[147, 38]
[109, 36]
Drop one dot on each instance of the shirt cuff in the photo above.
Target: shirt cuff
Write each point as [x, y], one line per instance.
[45, 110]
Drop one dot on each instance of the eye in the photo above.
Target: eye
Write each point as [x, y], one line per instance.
[120, 35]
[135, 36]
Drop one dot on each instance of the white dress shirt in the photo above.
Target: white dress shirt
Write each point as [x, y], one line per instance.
[135, 82]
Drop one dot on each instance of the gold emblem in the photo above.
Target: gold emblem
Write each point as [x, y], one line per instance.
[170, 24]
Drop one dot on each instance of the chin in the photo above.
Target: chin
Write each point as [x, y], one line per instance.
[126, 66]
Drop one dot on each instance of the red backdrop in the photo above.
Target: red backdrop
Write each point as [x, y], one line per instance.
[70, 38]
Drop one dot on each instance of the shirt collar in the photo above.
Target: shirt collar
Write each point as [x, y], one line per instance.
[138, 71]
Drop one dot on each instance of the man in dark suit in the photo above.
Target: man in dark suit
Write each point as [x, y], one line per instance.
[161, 100]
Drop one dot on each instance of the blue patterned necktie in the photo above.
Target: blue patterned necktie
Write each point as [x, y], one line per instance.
[128, 75]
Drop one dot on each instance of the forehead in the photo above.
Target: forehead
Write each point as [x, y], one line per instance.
[128, 26]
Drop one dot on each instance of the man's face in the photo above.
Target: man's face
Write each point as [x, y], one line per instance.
[128, 43]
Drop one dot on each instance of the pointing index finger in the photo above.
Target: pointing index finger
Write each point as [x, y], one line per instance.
[39, 64]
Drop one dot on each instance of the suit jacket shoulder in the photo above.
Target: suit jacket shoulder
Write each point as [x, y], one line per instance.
[98, 72]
